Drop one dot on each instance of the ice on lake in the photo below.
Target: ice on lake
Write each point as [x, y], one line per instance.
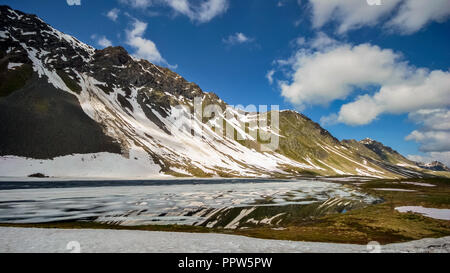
[176, 203]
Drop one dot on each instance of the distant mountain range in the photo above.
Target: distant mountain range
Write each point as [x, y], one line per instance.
[434, 166]
[69, 110]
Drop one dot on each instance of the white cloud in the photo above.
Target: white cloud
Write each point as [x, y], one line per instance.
[300, 41]
[104, 42]
[431, 141]
[138, 3]
[113, 14]
[237, 38]
[349, 14]
[198, 11]
[405, 16]
[434, 134]
[329, 120]
[269, 76]
[320, 77]
[322, 41]
[145, 48]
[415, 14]
[101, 40]
[434, 119]
[443, 157]
[420, 90]
[73, 2]
[208, 10]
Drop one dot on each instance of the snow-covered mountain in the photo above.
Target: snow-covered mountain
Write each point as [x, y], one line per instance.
[69, 110]
[435, 166]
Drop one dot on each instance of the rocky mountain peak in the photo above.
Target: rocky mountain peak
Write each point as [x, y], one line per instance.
[384, 152]
[435, 166]
[113, 55]
[367, 141]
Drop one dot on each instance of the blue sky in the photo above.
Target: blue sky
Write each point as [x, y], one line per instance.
[230, 46]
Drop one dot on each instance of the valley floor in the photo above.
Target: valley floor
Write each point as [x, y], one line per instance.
[35, 240]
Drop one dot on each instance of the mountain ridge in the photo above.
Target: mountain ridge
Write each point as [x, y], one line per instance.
[104, 113]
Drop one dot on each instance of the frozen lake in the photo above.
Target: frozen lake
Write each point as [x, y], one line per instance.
[155, 202]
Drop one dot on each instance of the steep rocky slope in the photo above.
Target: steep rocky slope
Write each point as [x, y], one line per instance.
[67, 109]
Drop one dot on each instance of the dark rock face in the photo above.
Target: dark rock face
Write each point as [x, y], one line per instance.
[40, 121]
[32, 31]
[124, 102]
[377, 147]
[148, 103]
[123, 71]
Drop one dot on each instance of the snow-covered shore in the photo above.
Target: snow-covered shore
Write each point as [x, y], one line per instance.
[13, 240]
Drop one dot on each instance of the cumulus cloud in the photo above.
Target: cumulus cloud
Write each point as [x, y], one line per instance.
[104, 42]
[415, 14]
[431, 141]
[432, 119]
[113, 14]
[349, 14]
[420, 90]
[321, 76]
[145, 48]
[405, 16]
[433, 136]
[322, 41]
[198, 11]
[443, 157]
[101, 40]
[237, 38]
[207, 10]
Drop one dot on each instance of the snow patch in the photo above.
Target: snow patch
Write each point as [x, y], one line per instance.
[442, 214]
[24, 240]
[99, 165]
[14, 65]
[234, 224]
[391, 189]
[419, 184]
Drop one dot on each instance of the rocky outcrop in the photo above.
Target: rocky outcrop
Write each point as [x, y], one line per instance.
[435, 166]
